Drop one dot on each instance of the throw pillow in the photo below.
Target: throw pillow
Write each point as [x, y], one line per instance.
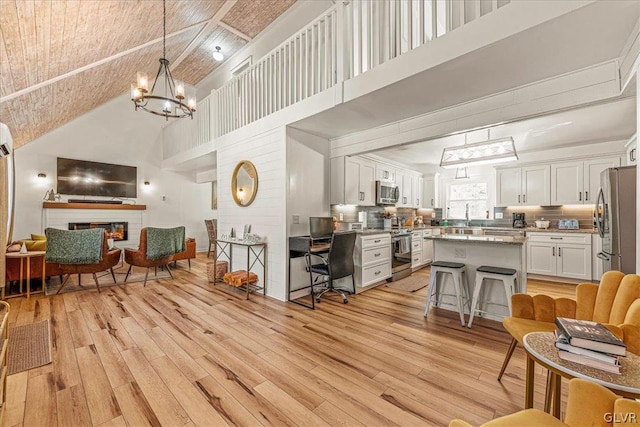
[38, 237]
[35, 245]
[14, 247]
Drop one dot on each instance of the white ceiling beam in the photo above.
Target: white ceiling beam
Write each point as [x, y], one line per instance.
[234, 31]
[213, 22]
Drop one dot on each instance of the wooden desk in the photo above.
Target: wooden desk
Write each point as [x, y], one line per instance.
[303, 246]
[540, 347]
[27, 256]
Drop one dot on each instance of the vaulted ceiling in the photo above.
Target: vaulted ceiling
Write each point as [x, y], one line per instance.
[61, 58]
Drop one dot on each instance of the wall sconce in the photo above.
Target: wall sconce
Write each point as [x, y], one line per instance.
[42, 175]
[241, 195]
[146, 183]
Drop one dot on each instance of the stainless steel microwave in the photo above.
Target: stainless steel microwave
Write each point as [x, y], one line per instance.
[387, 193]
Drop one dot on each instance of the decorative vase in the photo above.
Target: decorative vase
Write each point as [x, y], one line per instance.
[23, 248]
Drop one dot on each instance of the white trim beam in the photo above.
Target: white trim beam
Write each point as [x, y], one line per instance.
[234, 31]
[210, 25]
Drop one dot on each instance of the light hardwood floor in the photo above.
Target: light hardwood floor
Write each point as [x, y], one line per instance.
[182, 352]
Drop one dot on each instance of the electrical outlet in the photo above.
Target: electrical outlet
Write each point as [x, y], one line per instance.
[498, 215]
[296, 219]
[460, 253]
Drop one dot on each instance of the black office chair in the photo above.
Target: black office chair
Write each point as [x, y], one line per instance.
[338, 264]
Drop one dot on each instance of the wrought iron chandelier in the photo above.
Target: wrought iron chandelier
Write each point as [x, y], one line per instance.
[166, 96]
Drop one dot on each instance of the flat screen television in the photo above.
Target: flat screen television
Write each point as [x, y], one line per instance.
[83, 178]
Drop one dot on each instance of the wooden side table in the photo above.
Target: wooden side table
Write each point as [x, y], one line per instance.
[27, 256]
[540, 348]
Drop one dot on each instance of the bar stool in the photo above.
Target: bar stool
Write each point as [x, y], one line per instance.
[457, 270]
[506, 275]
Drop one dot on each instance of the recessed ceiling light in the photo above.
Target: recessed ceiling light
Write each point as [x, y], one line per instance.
[217, 55]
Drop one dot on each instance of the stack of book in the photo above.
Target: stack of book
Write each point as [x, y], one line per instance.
[589, 343]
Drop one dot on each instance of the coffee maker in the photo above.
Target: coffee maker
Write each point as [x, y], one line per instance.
[518, 220]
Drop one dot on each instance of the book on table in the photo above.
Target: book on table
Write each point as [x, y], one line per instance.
[603, 357]
[590, 335]
[587, 361]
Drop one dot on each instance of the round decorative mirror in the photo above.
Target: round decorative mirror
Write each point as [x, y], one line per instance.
[244, 183]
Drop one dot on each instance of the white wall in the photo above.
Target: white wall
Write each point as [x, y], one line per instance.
[308, 175]
[112, 133]
[266, 214]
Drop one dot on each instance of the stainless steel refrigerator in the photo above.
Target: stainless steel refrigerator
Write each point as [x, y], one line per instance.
[616, 218]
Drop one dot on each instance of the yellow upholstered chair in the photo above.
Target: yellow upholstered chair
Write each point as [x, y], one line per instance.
[614, 302]
[589, 404]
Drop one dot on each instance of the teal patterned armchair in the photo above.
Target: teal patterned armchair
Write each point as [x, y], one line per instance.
[157, 248]
[80, 252]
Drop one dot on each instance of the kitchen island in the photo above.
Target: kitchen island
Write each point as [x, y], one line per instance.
[474, 251]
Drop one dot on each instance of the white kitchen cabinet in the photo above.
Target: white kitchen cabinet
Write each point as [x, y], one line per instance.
[353, 181]
[429, 193]
[372, 259]
[417, 184]
[427, 245]
[416, 249]
[578, 182]
[385, 172]
[560, 254]
[404, 182]
[523, 186]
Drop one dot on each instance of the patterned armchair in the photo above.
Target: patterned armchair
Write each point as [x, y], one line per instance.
[158, 246]
[80, 252]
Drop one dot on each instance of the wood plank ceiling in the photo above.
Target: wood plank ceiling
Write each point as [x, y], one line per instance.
[61, 58]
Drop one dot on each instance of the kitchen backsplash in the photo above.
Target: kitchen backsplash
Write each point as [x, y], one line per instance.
[374, 214]
[584, 215]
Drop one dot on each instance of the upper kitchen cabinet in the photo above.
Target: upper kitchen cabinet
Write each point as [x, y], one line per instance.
[385, 173]
[429, 192]
[405, 185]
[411, 187]
[523, 186]
[417, 184]
[353, 181]
[578, 182]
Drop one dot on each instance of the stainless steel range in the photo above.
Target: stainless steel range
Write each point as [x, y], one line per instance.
[401, 250]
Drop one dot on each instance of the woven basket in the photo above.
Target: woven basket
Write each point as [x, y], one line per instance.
[221, 268]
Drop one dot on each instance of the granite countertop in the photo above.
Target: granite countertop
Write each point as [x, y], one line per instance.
[557, 230]
[374, 231]
[504, 240]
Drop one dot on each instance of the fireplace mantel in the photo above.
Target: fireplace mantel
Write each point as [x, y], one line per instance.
[122, 207]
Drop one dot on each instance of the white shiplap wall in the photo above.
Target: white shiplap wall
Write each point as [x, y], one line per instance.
[267, 212]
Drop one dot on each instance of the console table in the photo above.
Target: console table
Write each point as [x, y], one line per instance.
[256, 253]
